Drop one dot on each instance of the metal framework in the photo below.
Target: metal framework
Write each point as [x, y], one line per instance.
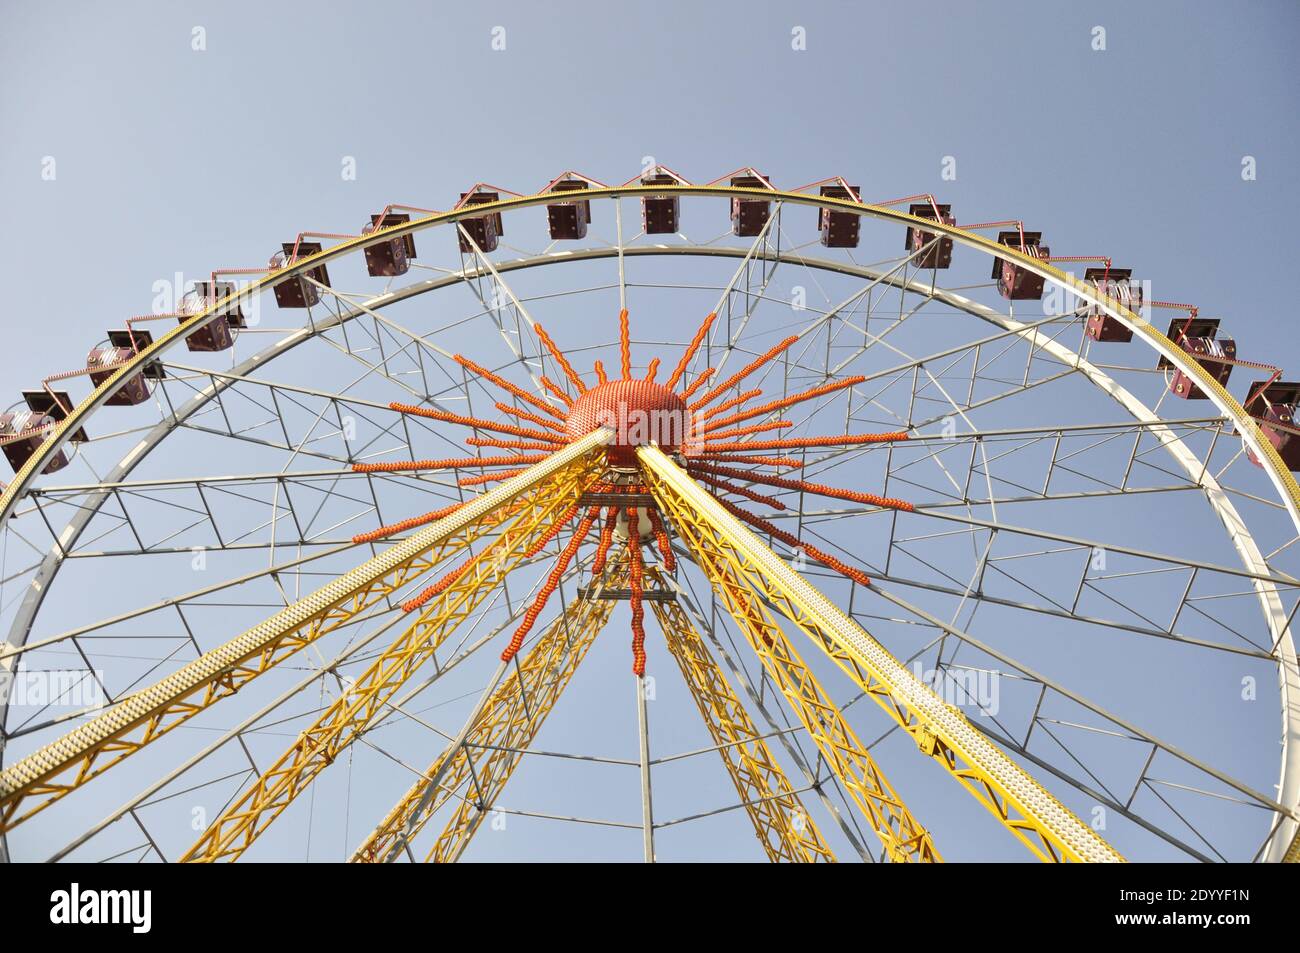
[784, 827]
[556, 482]
[983, 473]
[744, 571]
[475, 769]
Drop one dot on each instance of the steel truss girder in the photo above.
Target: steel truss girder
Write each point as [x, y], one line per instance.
[36, 781]
[353, 652]
[786, 831]
[651, 251]
[501, 733]
[556, 484]
[744, 572]
[903, 837]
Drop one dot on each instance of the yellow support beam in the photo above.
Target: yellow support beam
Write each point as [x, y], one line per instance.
[351, 712]
[51, 772]
[746, 573]
[902, 835]
[498, 738]
[785, 829]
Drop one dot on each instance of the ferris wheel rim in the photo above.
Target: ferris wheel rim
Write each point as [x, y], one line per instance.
[159, 432]
[1097, 377]
[82, 412]
[1284, 481]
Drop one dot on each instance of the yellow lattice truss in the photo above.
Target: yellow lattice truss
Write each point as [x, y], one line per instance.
[1292, 855]
[784, 828]
[477, 770]
[352, 711]
[901, 834]
[746, 574]
[36, 781]
[507, 524]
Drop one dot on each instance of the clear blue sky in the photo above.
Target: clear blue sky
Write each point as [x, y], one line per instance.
[169, 159]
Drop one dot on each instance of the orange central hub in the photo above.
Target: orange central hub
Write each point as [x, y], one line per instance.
[639, 413]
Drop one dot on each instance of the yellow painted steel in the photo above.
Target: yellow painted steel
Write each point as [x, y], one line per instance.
[352, 711]
[903, 836]
[495, 744]
[477, 772]
[35, 780]
[49, 773]
[746, 573]
[554, 668]
[785, 829]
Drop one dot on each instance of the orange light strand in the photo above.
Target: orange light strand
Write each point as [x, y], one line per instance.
[505, 385]
[826, 559]
[489, 477]
[507, 444]
[819, 489]
[449, 417]
[775, 405]
[531, 417]
[691, 348]
[727, 486]
[402, 466]
[788, 462]
[768, 355]
[666, 554]
[734, 402]
[606, 538]
[411, 523]
[439, 587]
[560, 359]
[625, 344]
[797, 443]
[552, 582]
[636, 587]
[745, 431]
[556, 390]
[698, 383]
[551, 533]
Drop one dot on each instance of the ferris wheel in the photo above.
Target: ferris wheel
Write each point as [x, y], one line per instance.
[669, 515]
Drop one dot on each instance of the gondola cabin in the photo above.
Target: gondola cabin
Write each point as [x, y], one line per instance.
[748, 214]
[659, 213]
[1274, 407]
[29, 426]
[485, 230]
[217, 334]
[393, 257]
[1117, 284]
[1198, 337]
[298, 291]
[1015, 282]
[839, 229]
[938, 255]
[104, 361]
[568, 220]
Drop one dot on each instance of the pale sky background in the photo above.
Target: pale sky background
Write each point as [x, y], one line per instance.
[170, 159]
[174, 160]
